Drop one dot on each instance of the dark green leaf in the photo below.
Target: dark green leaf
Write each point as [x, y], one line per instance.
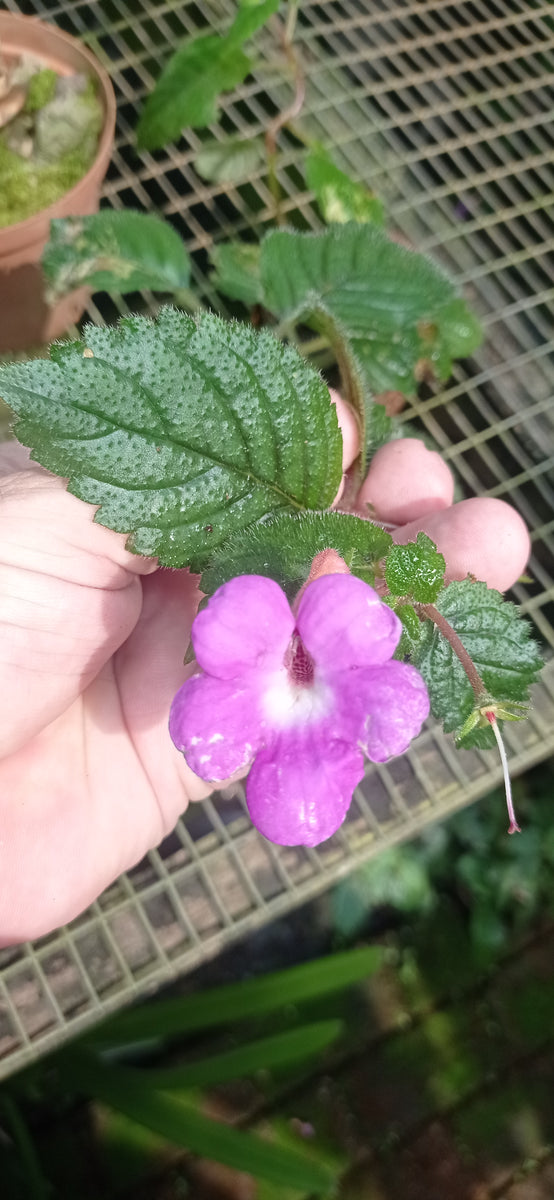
[489, 935]
[396, 308]
[187, 92]
[183, 432]
[35, 1186]
[239, 1001]
[178, 1119]
[283, 549]
[416, 570]
[231, 160]
[340, 198]
[114, 251]
[237, 271]
[276, 1051]
[498, 641]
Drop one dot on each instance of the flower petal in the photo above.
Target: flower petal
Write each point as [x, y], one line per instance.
[392, 703]
[344, 624]
[247, 624]
[216, 724]
[300, 787]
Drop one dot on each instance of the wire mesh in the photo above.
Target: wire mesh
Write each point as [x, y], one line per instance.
[445, 109]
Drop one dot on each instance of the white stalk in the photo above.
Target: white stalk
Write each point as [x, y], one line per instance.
[514, 827]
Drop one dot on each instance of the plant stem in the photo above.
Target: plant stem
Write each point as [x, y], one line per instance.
[514, 827]
[290, 24]
[288, 114]
[432, 614]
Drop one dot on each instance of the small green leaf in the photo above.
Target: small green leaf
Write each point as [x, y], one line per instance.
[237, 271]
[380, 428]
[114, 251]
[416, 570]
[497, 640]
[263, 1054]
[183, 432]
[238, 1001]
[187, 92]
[179, 1119]
[340, 198]
[396, 308]
[284, 548]
[231, 160]
[411, 630]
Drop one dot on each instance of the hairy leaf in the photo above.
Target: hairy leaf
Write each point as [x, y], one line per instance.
[284, 548]
[187, 92]
[183, 432]
[398, 310]
[411, 630]
[114, 251]
[230, 160]
[340, 198]
[416, 570]
[237, 271]
[497, 640]
[381, 428]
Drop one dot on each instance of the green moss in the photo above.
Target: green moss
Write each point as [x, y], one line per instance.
[41, 89]
[26, 188]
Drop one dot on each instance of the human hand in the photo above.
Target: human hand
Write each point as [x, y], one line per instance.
[91, 655]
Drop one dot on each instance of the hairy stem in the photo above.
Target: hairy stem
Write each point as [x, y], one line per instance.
[432, 614]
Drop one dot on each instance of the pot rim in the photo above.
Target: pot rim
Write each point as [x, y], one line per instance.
[33, 225]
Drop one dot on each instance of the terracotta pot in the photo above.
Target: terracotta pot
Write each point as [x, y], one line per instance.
[25, 318]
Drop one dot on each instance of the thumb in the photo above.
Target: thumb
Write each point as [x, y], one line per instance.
[70, 594]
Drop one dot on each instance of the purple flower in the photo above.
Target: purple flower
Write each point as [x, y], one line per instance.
[303, 697]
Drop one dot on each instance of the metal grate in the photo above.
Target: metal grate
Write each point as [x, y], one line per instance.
[445, 109]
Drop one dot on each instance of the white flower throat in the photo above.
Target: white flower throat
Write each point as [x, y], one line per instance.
[296, 694]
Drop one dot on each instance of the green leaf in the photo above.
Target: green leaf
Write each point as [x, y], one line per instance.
[500, 645]
[396, 308]
[237, 271]
[340, 198]
[416, 570]
[284, 548]
[183, 432]
[178, 1119]
[276, 1051]
[380, 428]
[114, 251]
[187, 92]
[411, 630]
[239, 1001]
[231, 160]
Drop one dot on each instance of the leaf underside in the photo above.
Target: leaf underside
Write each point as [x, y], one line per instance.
[397, 309]
[183, 432]
[229, 160]
[498, 641]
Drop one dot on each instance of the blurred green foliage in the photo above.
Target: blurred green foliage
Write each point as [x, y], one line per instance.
[498, 885]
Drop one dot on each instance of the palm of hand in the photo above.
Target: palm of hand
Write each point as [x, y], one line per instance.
[92, 653]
